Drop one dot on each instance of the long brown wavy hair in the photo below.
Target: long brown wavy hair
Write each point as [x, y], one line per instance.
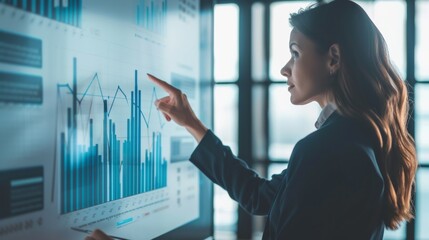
[368, 88]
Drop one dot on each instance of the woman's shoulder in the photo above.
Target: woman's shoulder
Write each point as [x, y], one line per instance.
[338, 129]
[339, 135]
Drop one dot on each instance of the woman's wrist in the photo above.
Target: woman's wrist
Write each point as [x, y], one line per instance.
[197, 130]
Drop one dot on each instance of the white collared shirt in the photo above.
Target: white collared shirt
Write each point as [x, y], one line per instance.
[326, 112]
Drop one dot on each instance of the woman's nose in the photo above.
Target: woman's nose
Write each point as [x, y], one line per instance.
[285, 71]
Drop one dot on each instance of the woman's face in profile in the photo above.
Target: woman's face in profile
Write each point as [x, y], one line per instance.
[307, 71]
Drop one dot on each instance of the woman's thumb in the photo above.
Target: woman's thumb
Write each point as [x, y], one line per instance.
[163, 107]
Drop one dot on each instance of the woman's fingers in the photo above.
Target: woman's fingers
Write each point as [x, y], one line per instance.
[168, 118]
[162, 103]
[167, 87]
[164, 107]
[97, 234]
[175, 106]
[164, 99]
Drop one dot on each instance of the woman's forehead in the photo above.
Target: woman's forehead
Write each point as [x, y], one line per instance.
[298, 38]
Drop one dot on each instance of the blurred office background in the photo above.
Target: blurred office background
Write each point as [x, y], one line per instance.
[253, 114]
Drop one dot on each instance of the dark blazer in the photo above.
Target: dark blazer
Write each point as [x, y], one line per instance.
[332, 188]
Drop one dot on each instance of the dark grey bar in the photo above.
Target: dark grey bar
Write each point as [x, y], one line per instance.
[15, 181]
[19, 88]
[20, 50]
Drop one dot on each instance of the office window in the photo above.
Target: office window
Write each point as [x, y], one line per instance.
[258, 42]
[279, 34]
[276, 168]
[226, 114]
[422, 143]
[288, 123]
[226, 42]
[422, 122]
[422, 118]
[422, 40]
[398, 234]
[422, 214]
[391, 24]
[259, 139]
[225, 106]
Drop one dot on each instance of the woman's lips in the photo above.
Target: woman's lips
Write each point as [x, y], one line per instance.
[290, 87]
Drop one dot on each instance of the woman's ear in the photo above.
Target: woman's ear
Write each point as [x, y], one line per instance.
[334, 58]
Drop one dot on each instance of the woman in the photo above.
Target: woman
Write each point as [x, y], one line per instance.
[353, 176]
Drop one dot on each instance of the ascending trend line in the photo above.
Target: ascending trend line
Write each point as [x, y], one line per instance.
[90, 176]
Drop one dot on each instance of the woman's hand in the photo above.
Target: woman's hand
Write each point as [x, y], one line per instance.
[97, 234]
[177, 108]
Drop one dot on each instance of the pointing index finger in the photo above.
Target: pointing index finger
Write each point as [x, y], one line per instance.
[167, 87]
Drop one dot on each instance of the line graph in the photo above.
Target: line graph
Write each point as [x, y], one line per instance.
[94, 173]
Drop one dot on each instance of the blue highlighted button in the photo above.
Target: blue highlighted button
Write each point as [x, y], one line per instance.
[124, 222]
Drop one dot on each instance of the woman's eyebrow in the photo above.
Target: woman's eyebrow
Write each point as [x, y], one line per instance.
[292, 44]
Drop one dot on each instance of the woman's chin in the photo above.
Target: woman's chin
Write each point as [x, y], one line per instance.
[294, 101]
[297, 101]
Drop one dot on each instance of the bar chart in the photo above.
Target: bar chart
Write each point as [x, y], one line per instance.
[65, 11]
[90, 176]
[151, 15]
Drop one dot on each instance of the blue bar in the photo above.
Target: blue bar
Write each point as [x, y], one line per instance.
[88, 170]
[85, 173]
[93, 181]
[100, 179]
[78, 177]
[136, 140]
[73, 19]
[71, 12]
[126, 160]
[83, 167]
[42, 7]
[50, 7]
[132, 142]
[110, 160]
[33, 6]
[139, 145]
[117, 169]
[63, 174]
[95, 177]
[65, 14]
[69, 163]
[152, 15]
[57, 13]
[79, 13]
[113, 160]
[145, 171]
[147, 164]
[153, 162]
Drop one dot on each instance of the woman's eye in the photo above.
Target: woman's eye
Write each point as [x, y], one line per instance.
[294, 54]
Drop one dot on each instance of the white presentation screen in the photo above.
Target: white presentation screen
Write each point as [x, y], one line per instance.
[82, 144]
